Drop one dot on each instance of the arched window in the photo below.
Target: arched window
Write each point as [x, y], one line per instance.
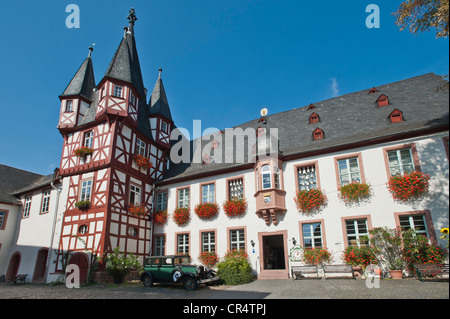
[266, 177]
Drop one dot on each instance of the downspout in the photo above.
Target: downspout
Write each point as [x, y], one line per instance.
[50, 249]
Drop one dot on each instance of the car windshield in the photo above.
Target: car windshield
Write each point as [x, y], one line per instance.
[182, 260]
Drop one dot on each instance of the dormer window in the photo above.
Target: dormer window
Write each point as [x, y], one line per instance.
[164, 127]
[396, 116]
[311, 106]
[313, 118]
[118, 90]
[373, 90]
[318, 134]
[382, 100]
[69, 106]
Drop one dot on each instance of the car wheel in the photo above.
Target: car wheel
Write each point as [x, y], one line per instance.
[189, 283]
[147, 280]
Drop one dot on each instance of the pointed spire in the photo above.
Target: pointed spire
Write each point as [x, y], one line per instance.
[158, 100]
[83, 82]
[132, 18]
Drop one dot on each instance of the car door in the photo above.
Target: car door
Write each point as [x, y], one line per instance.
[166, 269]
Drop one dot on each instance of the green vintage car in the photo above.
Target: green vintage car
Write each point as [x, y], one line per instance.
[175, 269]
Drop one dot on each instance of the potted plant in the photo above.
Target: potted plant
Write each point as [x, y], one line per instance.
[206, 210]
[82, 151]
[354, 193]
[208, 258]
[137, 210]
[409, 187]
[316, 256]
[181, 215]
[83, 204]
[235, 207]
[387, 247]
[142, 161]
[359, 257]
[160, 217]
[310, 201]
[119, 265]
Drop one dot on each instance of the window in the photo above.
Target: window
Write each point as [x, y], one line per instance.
[396, 116]
[416, 222]
[266, 177]
[311, 106]
[373, 90]
[276, 177]
[382, 100]
[27, 207]
[312, 235]
[118, 91]
[313, 118]
[161, 201]
[400, 161]
[208, 241]
[160, 245]
[132, 231]
[45, 201]
[86, 187]
[357, 232]
[135, 195]
[318, 134]
[132, 98]
[236, 188]
[307, 178]
[69, 106]
[83, 229]
[88, 139]
[140, 147]
[237, 239]
[183, 244]
[208, 193]
[183, 197]
[348, 170]
[2, 219]
[164, 127]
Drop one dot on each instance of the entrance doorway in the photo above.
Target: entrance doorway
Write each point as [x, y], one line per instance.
[40, 266]
[273, 255]
[13, 267]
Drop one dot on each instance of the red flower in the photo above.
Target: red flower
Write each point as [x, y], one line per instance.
[206, 210]
[82, 151]
[235, 207]
[414, 185]
[310, 200]
[160, 217]
[142, 161]
[208, 258]
[354, 192]
[137, 210]
[181, 216]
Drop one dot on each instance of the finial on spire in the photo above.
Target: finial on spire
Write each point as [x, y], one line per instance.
[160, 70]
[91, 48]
[132, 18]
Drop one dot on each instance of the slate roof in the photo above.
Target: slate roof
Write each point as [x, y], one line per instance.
[158, 100]
[345, 120]
[83, 82]
[11, 180]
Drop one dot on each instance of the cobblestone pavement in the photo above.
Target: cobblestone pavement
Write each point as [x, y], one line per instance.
[259, 289]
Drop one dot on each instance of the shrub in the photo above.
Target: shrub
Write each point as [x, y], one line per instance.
[118, 265]
[235, 269]
[359, 256]
[416, 249]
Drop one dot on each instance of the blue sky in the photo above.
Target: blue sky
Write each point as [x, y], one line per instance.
[222, 61]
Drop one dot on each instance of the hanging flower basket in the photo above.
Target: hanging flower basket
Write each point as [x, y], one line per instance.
[82, 151]
[407, 187]
[142, 161]
[137, 210]
[235, 207]
[160, 217]
[206, 210]
[83, 204]
[310, 201]
[208, 258]
[181, 216]
[354, 193]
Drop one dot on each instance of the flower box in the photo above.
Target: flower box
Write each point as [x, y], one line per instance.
[82, 151]
[317, 256]
[137, 210]
[354, 193]
[208, 258]
[310, 201]
[142, 161]
[407, 187]
[235, 207]
[83, 204]
[181, 216]
[160, 217]
[206, 210]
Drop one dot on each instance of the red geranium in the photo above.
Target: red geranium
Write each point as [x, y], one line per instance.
[206, 210]
[412, 186]
[137, 210]
[82, 151]
[235, 206]
[208, 258]
[142, 161]
[181, 215]
[160, 217]
[309, 201]
[354, 192]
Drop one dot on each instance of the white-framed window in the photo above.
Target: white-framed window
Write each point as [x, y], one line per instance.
[45, 201]
[236, 188]
[132, 98]
[357, 231]
[400, 161]
[208, 241]
[2, 219]
[183, 197]
[164, 127]
[88, 139]
[276, 177]
[237, 239]
[86, 189]
[118, 90]
[349, 171]
[182, 243]
[160, 245]
[135, 195]
[161, 201]
[307, 178]
[266, 177]
[140, 147]
[208, 193]
[27, 206]
[69, 106]
[416, 222]
[312, 235]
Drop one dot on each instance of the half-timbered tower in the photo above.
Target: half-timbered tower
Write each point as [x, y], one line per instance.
[115, 146]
